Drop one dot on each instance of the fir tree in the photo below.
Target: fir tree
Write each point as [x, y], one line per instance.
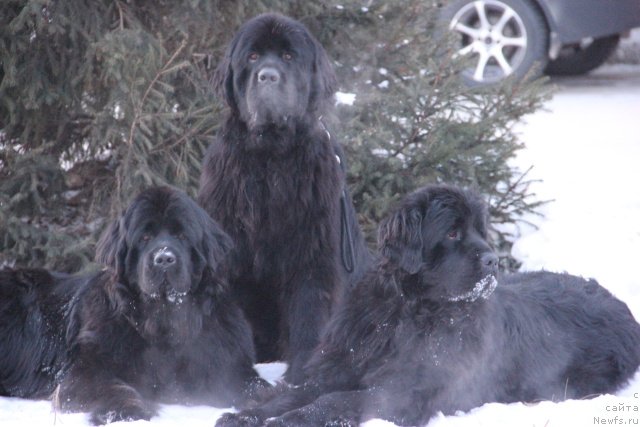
[99, 99]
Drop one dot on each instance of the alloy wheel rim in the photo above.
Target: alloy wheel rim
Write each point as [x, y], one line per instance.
[494, 34]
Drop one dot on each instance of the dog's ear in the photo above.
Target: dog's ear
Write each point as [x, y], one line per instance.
[111, 249]
[400, 239]
[216, 246]
[222, 79]
[324, 82]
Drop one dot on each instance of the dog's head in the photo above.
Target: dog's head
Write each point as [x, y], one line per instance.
[437, 240]
[164, 247]
[274, 71]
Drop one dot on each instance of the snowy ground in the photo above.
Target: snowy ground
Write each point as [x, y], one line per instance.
[586, 149]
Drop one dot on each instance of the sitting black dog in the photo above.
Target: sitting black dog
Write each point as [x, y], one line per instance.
[431, 330]
[275, 180]
[157, 326]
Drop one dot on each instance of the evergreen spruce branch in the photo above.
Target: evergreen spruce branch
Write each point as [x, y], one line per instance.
[120, 14]
[502, 204]
[188, 134]
[138, 111]
[514, 200]
[136, 123]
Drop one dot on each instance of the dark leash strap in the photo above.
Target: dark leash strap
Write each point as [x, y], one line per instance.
[346, 237]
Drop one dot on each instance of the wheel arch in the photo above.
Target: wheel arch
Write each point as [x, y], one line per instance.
[552, 27]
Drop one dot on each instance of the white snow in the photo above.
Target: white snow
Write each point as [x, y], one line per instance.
[586, 150]
[345, 98]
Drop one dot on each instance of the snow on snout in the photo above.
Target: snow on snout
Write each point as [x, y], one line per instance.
[172, 296]
[482, 289]
[175, 297]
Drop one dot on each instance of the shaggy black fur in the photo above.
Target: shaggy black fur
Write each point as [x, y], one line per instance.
[428, 331]
[275, 180]
[159, 326]
[33, 348]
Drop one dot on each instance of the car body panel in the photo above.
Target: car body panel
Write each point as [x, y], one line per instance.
[574, 20]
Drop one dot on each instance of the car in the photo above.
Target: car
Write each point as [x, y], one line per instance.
[528, 37]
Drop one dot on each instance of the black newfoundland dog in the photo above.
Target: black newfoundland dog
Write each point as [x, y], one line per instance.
[430, 329]
[158, 326]
[275, 180]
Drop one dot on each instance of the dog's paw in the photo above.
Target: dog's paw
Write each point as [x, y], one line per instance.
[341, 422]
[255, 390]
[304, 418]
[238, 420]
[103, 416]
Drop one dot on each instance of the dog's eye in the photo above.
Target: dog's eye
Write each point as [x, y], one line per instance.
[253, 56]
[287, 56]
[146, 237]
[454, 235]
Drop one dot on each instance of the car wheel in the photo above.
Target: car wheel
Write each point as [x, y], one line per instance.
[583, 57]
[503, 38]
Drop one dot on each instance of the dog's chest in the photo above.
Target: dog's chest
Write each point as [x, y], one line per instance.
[278, 185]
[175, 375]
[445, 336]
[278, 196]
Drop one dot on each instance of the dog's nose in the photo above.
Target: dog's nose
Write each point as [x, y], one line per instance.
[164, 258]
[268, 75]
[489, 262]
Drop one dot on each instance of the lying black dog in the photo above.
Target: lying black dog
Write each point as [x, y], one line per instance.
[430, 330]
[158, 327]
[275, 180]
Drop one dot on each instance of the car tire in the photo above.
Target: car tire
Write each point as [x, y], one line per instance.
[582, 58]
[503, 37]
